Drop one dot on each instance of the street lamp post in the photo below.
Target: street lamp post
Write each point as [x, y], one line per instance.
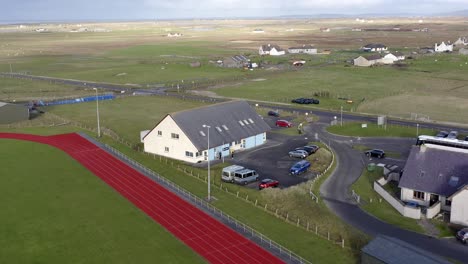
[341, 116]
[97, 113]
[208, 157]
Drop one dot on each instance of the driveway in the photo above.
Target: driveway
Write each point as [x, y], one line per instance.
[336, 192]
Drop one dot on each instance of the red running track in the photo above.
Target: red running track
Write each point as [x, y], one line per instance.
[213, 240]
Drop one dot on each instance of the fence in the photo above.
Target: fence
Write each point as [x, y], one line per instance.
[407, 211]
[314, 228]
[244, 229]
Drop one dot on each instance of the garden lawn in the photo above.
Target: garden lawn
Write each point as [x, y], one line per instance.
[372, 130]
[56, 211]
[378, 207]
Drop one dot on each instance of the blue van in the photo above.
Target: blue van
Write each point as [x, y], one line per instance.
[300, 167]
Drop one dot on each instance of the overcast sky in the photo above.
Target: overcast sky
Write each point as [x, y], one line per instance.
[35, 10]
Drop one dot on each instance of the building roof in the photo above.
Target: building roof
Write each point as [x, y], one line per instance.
[229, 121]
[268, 47]
[435, 169]
[373, 57]
[239, 58]
[397, 53]
[3, 104]
[374, 46]
[394, 251]
[303, 47]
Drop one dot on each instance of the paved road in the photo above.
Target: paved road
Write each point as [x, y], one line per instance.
[335, 191]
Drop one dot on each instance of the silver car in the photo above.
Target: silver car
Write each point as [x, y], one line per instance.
[302, 154]
[462, 235]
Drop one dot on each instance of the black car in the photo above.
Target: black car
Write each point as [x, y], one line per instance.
[310, 149]
[375, 153]
[442, 134]
[273, 113]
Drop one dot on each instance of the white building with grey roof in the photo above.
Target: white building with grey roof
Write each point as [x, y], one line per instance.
[436, 177]
[233, 126]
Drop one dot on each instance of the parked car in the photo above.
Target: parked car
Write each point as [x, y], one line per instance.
[283, 123]
[300, 167]
[462, 235]
[273, 113]
[375, 153]
[305, 101]
[267, 183]
[310, 149]
[228, 172]
[452, 135]
[298, 154]
[245, 176]
[442, 134]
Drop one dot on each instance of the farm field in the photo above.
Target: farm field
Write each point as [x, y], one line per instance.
[56, 211]
[430, 86]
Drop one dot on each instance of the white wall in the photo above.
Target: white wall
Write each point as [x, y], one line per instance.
[274, 52]
[407, 211]
[459, 213]
[177, 147]
[408, 195]
[433, 210]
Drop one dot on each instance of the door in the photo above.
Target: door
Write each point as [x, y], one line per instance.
[434, 198]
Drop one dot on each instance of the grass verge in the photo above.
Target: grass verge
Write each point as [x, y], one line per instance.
[373, 130]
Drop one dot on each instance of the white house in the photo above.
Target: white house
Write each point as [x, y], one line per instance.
[461, 41]
[366, 61]
[374, 47]
[176, 34]
[271, 49]
[307, 49]
[435, 176]
[229, 126]
[443, 47]
[392, 57]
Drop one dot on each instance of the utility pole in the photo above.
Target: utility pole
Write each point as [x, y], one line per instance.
[208, 157]
[97, 113]
[341, 116]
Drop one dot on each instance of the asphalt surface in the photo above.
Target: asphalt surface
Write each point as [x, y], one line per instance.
[336, 193]
[335, 190]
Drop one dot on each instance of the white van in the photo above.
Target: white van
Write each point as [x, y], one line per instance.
[245, 176]
[228, 173]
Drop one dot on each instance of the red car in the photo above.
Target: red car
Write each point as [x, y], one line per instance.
[283, 123]
[267, 183]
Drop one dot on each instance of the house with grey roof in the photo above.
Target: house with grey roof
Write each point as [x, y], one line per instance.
[11, 113]
[390, 250]
[461, 41]
[366, 61]
[271, 49]
[374, 47]
[209, 132]
[434, 177]
[307, 49]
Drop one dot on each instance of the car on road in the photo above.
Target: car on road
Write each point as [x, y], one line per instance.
[452, 135]
[267, 183]
[273, 113]
[283, 123]
[300, 167]
[442, 134]
[305, 101]
[310, 149]
[375, 153]
[462, 235]
[302, 154]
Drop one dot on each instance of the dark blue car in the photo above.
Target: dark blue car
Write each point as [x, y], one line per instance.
[300, 167]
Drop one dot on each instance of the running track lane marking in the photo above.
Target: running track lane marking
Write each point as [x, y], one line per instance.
[210, 238]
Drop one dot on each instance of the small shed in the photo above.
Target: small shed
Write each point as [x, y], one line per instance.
[390, 250]
[11, 113]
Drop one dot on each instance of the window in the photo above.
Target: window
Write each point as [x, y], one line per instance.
[241, 123]
[225, 127]
[202, 133]
[166, 149]
[174, 136]
[189, 154]
[251, 121]
[219, 129]
[198, 154]
[245, 121]
[448, 203]
[418, 195]
[159, 133]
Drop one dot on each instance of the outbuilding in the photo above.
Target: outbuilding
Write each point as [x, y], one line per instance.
[11, 113]
[226, 127]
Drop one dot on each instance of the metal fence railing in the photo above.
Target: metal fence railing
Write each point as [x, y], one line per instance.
[247, 231]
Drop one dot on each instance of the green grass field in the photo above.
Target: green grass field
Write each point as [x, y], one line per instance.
[56, 211]
[373, 130]
[382, 210]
